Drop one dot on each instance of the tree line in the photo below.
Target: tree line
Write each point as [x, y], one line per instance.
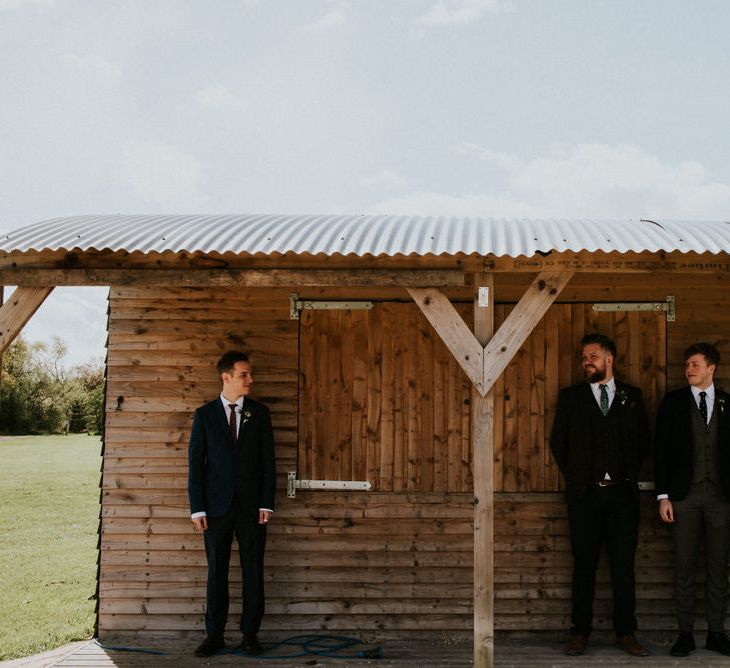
[39, 394]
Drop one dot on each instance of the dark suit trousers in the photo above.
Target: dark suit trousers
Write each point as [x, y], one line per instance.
[703, 509]
[218, 541]
[610, 516]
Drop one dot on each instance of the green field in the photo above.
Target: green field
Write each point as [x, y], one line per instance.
[49, 509]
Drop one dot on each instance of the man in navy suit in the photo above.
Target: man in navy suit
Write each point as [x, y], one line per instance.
[692, 467]
[231, 485]
[599, 438]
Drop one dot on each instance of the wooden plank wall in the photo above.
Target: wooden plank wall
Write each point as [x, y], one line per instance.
[374, 563]
[383, 400]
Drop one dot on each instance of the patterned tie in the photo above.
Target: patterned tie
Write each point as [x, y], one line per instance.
[703, 407]
[232, 423]
[604, 399]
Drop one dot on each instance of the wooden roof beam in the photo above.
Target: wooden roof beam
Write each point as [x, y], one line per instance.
[17, 310]
[186, 277]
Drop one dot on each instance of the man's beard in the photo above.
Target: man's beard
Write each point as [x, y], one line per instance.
[595, 376]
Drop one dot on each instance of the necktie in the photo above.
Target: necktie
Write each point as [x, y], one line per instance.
[232, 423]
[703, 407]
[604, 399]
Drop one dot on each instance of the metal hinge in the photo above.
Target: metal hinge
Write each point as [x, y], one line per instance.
[656, 307]
[295, 305]
[292, 484]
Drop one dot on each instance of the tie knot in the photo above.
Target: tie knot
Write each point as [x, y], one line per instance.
[233, 407]
[703, 394]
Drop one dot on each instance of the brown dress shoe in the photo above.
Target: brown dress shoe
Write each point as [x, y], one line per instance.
[576, 645]
[630, 645]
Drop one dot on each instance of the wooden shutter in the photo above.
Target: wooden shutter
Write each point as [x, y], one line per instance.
[381, 399]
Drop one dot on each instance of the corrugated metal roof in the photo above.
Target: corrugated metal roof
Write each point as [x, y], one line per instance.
[363, 235]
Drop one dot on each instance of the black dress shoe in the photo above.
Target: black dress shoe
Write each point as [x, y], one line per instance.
[684, 644]
[209, 646]
[717, 641]
[251, 645]
[576, 645]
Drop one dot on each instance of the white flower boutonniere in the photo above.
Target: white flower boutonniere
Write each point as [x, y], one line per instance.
[721, 404]
[247, 415]
[622, 395]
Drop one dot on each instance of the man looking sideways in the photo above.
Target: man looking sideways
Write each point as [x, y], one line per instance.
[231, 485]
[692, 467]
[599, 438]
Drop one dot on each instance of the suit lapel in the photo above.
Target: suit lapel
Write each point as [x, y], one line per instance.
[221, 422]
[589, 400]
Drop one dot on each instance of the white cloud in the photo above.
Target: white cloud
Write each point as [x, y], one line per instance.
[164, 175]
[331, 20]
[501, 160]
[385, 178]
[587, 180]
[217, 96]
[461, 12]
[621, 180]
[9, 5]
[98, 65]
[445, 204]
[77, 316]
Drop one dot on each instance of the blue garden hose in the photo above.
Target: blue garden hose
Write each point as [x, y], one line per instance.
[317, 645]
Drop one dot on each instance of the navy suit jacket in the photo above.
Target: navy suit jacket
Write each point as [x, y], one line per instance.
[674, 443]
[220, 475]
[571, 438]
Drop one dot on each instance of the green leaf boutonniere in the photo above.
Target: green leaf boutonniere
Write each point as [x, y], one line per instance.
[622, 395]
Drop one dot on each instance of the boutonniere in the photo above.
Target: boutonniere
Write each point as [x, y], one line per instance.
[721, 404]
[247, 415]
[622, 395]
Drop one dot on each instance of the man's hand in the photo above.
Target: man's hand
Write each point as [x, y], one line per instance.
[264, 516]
[666, 511]
[201, 523]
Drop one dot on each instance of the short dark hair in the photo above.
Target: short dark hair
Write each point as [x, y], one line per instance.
[228, 361]
[602, 340]
[710, 353]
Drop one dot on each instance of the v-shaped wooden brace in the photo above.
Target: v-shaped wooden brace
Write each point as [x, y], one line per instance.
[483, 365]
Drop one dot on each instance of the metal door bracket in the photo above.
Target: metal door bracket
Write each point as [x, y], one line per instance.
[292, 485]
[296, 305]
[656, 307]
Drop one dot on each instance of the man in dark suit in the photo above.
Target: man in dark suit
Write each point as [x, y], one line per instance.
[692, 467]
[231, 485]
[599, 439]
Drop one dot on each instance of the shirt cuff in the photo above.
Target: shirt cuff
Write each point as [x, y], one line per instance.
[195, 516]
[268, 510]
[659, 497]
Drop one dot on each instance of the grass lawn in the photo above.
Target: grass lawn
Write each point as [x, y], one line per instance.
[49, 509]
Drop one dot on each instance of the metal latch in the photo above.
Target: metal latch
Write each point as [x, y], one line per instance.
[296, 305]
[656, 307]
[292, 484]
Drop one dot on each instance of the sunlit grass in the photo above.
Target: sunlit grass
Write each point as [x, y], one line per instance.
[49, 509]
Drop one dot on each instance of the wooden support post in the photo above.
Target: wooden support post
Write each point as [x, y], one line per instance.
[17, 310]
[482, 440]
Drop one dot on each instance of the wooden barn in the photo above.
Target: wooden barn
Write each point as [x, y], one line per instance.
[412, 367]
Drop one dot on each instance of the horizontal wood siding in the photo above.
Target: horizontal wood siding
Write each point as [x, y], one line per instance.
[397, 560]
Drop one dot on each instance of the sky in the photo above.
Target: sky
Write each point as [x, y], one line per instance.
[494, 108]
